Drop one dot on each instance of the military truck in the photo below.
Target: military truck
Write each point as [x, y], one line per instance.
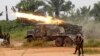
[51, 32]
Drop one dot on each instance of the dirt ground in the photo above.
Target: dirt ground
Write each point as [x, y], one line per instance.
[51, 51]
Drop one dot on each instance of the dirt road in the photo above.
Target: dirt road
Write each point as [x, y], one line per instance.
[53, 51]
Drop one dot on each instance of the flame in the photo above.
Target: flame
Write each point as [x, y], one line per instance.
[46, 20]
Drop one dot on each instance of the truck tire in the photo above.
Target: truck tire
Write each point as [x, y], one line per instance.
[59, 42]
[29, 38]
[68, 41]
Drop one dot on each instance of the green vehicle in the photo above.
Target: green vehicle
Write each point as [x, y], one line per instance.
[61, 34]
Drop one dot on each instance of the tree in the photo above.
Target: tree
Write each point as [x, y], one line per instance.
[85, 11]
[96, 11]
[55, 6]
[28, 5]
[80, 14]
[50, 6]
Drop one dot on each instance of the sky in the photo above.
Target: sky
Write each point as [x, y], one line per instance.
[10, 3]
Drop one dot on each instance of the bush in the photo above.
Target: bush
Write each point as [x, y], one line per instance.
[16, 29]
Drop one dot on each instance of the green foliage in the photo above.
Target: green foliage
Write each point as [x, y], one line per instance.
[19, 33]
[8, 26]
[55, 6]
[29, 5]
[16, 29]
[51, 6]
[96, 11]
[81, 14]
[85, 10]
[92, 43]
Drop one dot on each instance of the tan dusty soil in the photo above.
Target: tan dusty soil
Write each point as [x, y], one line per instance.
[51, 51]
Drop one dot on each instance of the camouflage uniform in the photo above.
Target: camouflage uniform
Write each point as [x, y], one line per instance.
[79, 44]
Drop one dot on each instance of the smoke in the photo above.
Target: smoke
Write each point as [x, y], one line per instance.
[45, 19]
[91, 29]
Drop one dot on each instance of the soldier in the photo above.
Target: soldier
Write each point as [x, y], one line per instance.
[8, 38]
[4, 36]
[79, 44]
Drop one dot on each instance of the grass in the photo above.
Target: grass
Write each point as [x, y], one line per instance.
[92, 43]
[17, 30]
[92, 51]
[19, 33]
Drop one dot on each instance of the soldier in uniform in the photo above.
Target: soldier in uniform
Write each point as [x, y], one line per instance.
[8, 38]
[79, 44]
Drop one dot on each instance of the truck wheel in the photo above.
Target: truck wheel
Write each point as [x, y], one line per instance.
[68, 41]
[29, 39]
[59, 42]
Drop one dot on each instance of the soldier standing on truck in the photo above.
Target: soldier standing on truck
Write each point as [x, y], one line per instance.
[79, 44]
